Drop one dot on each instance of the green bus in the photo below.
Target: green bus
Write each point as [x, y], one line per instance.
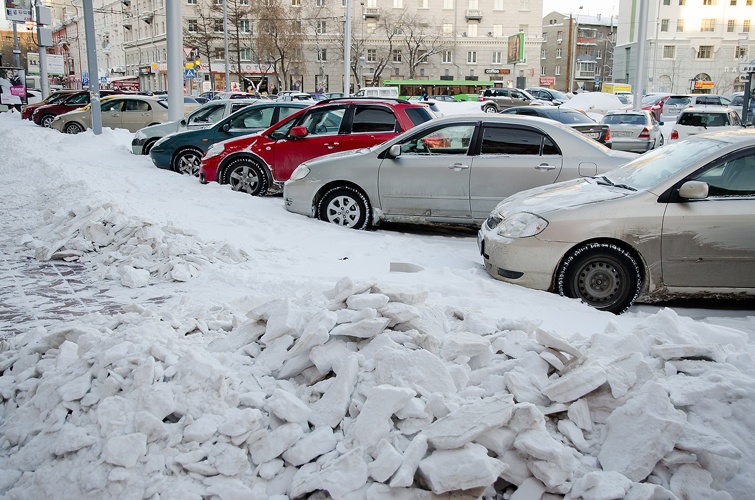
[464, 90]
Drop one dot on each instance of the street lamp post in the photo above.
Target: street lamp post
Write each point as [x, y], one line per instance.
[574, 53]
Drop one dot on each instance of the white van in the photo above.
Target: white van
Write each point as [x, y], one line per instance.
[378, 92]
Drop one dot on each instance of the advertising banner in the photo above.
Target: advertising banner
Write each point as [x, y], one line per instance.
[18, 10]
[55, 66]
[515, 54]
[12, 86]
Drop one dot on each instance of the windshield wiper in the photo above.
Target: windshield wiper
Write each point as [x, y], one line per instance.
[605, 181]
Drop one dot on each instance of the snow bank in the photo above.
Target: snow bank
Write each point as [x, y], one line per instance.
[370, 392]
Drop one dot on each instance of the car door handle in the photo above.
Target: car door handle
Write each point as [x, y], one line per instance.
[458, 166]
[545, 166]
[330, 145]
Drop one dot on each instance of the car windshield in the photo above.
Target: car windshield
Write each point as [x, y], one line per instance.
[571, 117]
[657, 165]
[208, 114]
[678, 101]
[652, 99]
[559, 95]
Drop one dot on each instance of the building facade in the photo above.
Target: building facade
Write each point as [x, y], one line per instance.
[693, 46]
[577, 51]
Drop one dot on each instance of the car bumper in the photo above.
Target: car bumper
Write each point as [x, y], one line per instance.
[160, 158]
[208, 171]
[298, 196]
[529, 262]
[632, 145]
[137, 145]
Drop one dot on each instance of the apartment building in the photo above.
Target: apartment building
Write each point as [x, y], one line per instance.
[577, 51]
[438, 39]
[692, 45]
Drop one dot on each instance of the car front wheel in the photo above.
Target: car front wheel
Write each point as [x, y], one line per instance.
[490, 109]
[73, 128]
[187, 162]
[345, 206]
[603, 275]
[247, 175]
[46, 121]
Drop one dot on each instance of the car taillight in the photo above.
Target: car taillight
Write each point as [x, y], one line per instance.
[608, 134]
[482, 98]
[674, 135]
[645, 134]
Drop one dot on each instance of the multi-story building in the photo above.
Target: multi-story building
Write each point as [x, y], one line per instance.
[692, 45]
[391, 39]
[577, 51]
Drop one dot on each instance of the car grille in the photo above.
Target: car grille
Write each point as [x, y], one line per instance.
[493, 221]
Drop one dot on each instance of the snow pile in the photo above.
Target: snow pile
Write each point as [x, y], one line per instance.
[125, 248]
[370, 393]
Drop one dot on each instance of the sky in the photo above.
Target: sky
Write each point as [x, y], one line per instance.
[164, 338]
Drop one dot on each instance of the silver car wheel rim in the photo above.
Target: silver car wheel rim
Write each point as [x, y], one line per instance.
[244, 179]
[189, 164]
[47, 121]
[73, 129]
[343, 211]
[490, 109]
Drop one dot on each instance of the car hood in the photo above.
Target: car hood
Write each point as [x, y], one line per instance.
[162, 129]
[337, 155]
[559, 196]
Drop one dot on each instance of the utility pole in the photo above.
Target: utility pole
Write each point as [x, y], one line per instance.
[94, 80]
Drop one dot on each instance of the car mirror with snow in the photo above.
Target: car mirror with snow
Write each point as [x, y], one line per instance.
[694, 190]
[298, 132]
[394, 151]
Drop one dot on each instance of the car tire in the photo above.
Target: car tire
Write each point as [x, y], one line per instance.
[73, 128]
[603, 275]
[187, 161]
[248, 176]
[46, 121]
[662, 142]
[489, 108]
[345, 206]
[147, 146]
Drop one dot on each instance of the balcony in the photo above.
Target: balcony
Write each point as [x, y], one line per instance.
[583, 40]
[372, 13]
[584, 75]
[473, 15]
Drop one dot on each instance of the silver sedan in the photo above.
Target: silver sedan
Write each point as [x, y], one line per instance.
[636, 131]
[675, 222]
[451, 170]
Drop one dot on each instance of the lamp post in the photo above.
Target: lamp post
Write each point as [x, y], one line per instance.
[574, 53]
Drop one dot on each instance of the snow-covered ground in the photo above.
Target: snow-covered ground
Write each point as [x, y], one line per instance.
[165, 339]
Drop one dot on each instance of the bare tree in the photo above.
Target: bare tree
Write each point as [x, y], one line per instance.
[239, 31]
[279, 39]
[421, 41]
[200, 34]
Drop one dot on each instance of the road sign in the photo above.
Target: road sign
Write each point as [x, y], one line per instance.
[187, 52]
[189, 73]
[103, 80]
[85, 78]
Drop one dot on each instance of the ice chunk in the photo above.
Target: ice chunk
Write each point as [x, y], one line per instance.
[364, 329]
[202, 428]
[288, 407]
[531, 488]
[465, 424]
[579, 413]
[576, 383]
[332, 406]
[240, 421]
[460, 469]
[694, 483]
[76, 388]
[387, 461]
[310, 446]
[275, 442]
[345, 288]
[464, 344]
[601, 485]
[412, 455]
[345, 474]
[367, 301]
[419, 370]
[374, 420]
[125, 450]
[691, 351]
[698, 440]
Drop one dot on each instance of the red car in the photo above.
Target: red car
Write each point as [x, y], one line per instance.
[254, 163]
[53, 98]
[654, 104]
[44, 115]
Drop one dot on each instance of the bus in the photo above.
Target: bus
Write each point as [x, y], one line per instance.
[464, 90]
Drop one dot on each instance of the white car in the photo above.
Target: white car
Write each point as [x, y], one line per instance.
[698, 120]
[635, 131]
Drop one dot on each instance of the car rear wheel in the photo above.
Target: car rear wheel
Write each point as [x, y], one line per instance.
[73, 128]
[345, 206]
[490, 108]
[603, 275]
[147, 146]
[247, 175]
[46, 121]
[187, 161]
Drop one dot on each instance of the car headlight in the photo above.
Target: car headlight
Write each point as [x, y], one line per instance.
[521, 225]
[214, 150]
[301, 172]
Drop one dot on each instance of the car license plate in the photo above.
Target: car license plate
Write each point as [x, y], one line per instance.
[593, 135]
[622, 134]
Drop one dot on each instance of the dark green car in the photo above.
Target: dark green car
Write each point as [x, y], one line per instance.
[182, 152]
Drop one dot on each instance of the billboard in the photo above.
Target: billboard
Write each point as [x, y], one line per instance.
[55, 66]
[18, 10]
[516, 49]
[12, 86]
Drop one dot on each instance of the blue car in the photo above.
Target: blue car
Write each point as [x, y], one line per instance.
[182, 152]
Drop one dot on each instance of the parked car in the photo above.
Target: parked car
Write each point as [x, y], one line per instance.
[201, 117]
[568, 116]
[190, 104]
[53, 98]
[496, 99]
[451, 170]
[700, 120]
[678, 102]
[444, 98]
[290, 96]
[676, 222]
[182, 152]
[635, 131]
[555, 97]
[131, 112]
[255, 163]
[654, 103]
[44, 115]
[235, 95]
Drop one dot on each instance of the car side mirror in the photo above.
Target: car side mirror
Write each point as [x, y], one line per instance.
[298, 132]
[226, 127]
[394, 151]
[183, 122]
[660, 124]
[694, 190]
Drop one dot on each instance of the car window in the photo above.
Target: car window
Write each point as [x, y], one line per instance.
[517, 95]
[208, 114]
[324, 121]
[418, 115]
[515, 141]
[114, 105]
[253, 117]
[735, 177]
[79, 99]
[286, 111]
[374, 119]
[136, 105]
[450, 140]
[624, 120]
[734, 119]
[525, 112]
[570, 117]
[678, 101]
[58, 99]
[692, 119]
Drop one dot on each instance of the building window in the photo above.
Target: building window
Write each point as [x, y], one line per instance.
[245, 26]
[733, 2]
[473, 4]
[448, 4]
[448, 28]
[219, 54]
[740, 54]
[557, 71]
[246, 54]
[296, 26]
[447, 57]
[320, 3]
[398, 4]
[682, 2]
[679, 25]
[542, 70]
[320, 27]
[543, 53]
[558, 53]
[524, 4]
[191, 2]
[218, 26]
[193, 26]
[707, 25]
[545, 37]
[472, 57]
[371, 55]
[730, 25]
[295, 3]
[472, 29]
[498, 30]
[497, 4]
[746, 25]
[666, 2]
[396, 56]
[322, 54]
[523, 28]
[497, 57]
[709, 2]
[422, 4]
[559, 36]
[664, 24]
[705, 52]
[669, 51]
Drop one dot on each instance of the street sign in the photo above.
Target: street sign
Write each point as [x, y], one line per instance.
[187, 52]
[85, 78]
[189, 73]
